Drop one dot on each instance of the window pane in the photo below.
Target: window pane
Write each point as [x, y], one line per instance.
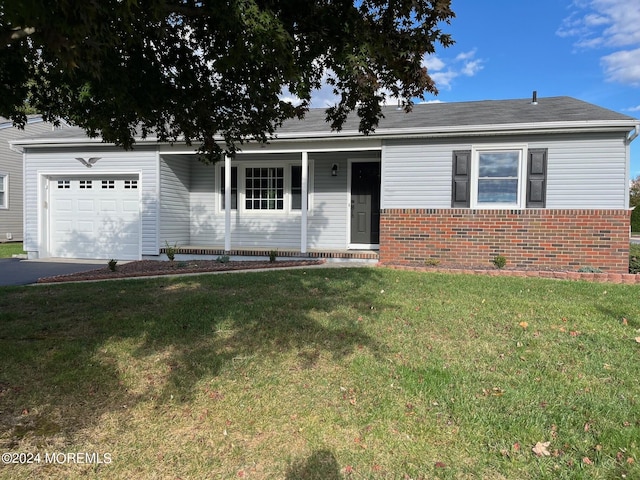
[498, 164]
[497, 191]
[266, 184]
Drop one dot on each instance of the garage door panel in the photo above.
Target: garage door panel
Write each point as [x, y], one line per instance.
[64, 205]
[94, 218]
[130, 206]
[86, 206]
[85, 227]
[109, 206]
[63, 226]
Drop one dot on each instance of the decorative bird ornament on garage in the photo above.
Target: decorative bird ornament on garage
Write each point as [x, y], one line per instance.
[88, 163]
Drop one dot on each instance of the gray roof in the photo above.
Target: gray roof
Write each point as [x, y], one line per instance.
[426, 118]
[487, 112]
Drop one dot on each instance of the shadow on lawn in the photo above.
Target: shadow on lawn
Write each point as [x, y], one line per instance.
[320, 465]
[74, 353]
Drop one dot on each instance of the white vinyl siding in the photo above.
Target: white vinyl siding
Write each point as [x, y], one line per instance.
[44, 163]
[11, 218]
[175, 201]
[417, 174]
[328, 226]
[205, 229]
[586, 172]
[583, 171]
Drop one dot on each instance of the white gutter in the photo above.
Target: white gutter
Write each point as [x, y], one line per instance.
[390, 133]
[633, 134]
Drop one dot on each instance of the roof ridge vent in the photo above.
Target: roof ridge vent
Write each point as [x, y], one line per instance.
[534, 98]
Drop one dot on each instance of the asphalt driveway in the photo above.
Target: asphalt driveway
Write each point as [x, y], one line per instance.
[14, 271]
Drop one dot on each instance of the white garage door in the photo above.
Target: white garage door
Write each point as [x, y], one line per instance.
[94, 217]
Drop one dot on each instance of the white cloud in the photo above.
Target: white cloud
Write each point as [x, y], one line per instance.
[472, 67]
[634, 109]
[623, 66]
[433, 63]
[444, 73]
[612, 25]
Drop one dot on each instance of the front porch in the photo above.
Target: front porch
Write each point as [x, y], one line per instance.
[191, 252]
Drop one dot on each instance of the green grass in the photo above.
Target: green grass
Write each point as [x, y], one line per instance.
[9, 249]
[328, 374]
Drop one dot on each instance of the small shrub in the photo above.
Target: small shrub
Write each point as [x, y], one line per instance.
[272, 255]
[635, 220]
[432, 262]
[223, 259]
[500, 261]
[170, 250]
[112, 264]
[589, 269]
[634, 258]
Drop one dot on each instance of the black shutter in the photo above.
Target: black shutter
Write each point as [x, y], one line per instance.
[536, 178]
[461, 187]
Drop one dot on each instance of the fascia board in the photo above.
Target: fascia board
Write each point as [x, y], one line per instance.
[455, 130]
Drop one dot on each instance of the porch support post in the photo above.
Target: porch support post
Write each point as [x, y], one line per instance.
[304, 203]
[227, 203]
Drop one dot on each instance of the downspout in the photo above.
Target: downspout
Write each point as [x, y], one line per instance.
[633, 134]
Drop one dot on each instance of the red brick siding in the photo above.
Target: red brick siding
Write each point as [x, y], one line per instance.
[533, 239]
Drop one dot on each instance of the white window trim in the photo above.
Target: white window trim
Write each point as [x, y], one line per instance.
[242, 166]
[4, 179]
[522, 175]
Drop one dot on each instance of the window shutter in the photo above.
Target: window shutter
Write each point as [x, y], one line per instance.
[461, 187]
[536, 178]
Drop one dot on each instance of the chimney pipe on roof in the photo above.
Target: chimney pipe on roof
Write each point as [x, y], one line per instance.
[534, 99]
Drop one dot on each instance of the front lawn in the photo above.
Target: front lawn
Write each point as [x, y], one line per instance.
[321, 374]
[9, 249]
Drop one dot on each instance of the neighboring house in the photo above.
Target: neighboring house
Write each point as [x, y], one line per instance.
[543, 183]
[11, 207]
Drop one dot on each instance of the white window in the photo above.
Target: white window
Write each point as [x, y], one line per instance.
[273, 188]
[498, 177]
[264, 188]
[4, 190]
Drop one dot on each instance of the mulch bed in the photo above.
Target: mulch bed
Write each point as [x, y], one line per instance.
[147, 268]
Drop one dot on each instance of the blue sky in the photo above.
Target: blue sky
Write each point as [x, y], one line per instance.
[587, 49]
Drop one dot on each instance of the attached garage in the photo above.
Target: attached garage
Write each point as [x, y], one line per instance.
[94, 217]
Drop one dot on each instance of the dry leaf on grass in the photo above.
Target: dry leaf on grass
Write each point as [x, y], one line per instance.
[541, 449]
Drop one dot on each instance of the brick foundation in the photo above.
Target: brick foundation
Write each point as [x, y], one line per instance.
[538, 239]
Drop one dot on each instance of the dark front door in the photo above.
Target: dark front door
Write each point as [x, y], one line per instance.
[365, 203]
